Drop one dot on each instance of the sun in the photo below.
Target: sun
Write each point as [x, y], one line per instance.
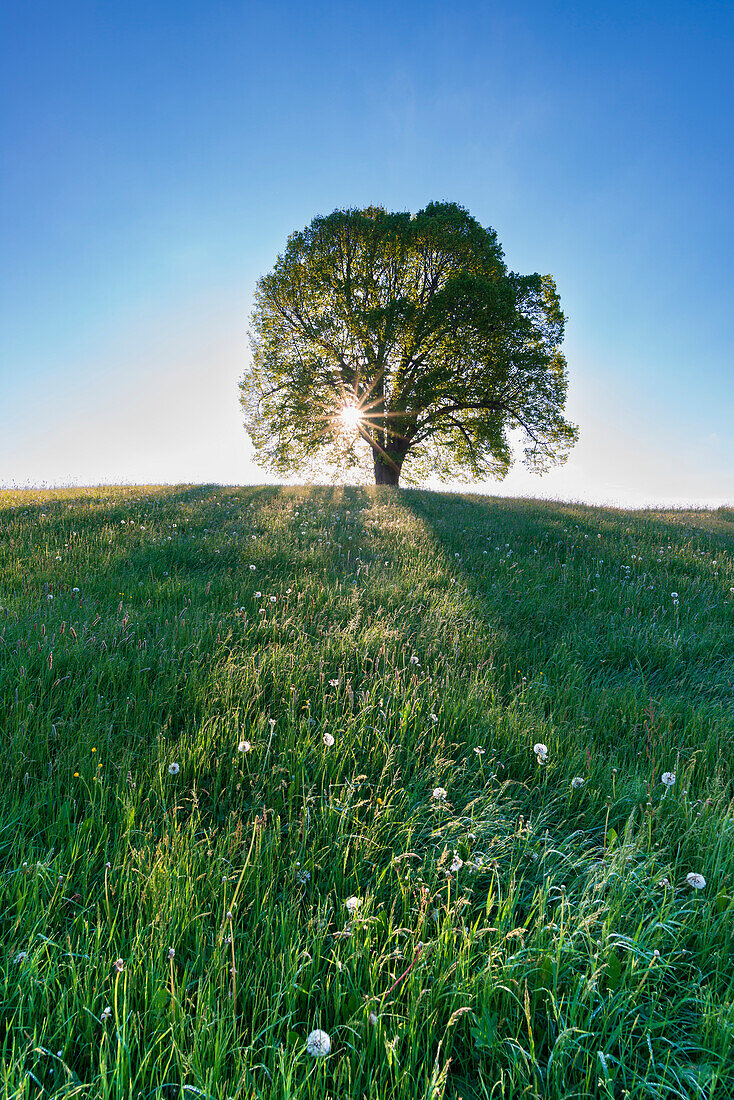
[351, 417]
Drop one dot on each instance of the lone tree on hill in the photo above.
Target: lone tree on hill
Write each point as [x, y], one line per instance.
[407, 337]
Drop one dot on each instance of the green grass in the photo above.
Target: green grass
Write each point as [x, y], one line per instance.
[566, 957]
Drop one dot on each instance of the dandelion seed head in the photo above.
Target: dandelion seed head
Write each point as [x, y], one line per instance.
[353, 904]
[318, 1044]
[695, 880]
[439, 793]
[577, 782]
[174, 768]
[328, 740]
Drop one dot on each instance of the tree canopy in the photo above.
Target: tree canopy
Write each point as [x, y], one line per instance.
[405, 338]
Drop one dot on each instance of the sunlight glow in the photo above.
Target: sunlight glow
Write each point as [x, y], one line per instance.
[351, 417]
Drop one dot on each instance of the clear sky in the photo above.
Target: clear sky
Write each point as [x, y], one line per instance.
[155, 156]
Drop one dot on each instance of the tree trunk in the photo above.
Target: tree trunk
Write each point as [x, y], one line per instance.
[386, 474]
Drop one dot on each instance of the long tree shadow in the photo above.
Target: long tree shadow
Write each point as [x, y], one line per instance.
[603, 617]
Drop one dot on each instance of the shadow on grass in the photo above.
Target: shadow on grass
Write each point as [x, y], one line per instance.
[580, 598]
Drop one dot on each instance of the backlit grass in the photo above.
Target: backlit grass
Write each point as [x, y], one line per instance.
[178, 840]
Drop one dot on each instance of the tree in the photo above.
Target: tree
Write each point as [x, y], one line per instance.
[406, 334]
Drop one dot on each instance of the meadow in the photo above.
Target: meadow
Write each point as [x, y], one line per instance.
[448, 778]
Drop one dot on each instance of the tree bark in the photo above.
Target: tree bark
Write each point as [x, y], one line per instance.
[386, 474]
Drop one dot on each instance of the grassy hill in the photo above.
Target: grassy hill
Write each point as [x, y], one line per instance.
[227, 713]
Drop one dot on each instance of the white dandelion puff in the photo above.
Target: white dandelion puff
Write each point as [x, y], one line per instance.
[353, 904]
[318, 1044]
[328, 740]
[174, 768]
[244, 746]
[667, 779]
[577, 782]
[695, 880]
[439, 793]
[541, 751]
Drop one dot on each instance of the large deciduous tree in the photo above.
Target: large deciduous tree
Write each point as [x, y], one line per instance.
[405, 337]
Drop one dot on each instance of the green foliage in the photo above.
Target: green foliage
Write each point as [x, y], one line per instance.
[521, 937]
[418, 323]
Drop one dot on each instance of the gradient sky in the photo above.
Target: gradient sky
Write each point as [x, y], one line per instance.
[156, 156]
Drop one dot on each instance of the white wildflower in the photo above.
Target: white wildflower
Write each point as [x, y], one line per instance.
[318, 1044]
[107, 1012]
[480, 751]
[695, 880]
[439, 794]
[457, 863]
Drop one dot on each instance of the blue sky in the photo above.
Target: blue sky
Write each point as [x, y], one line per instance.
[156, 156]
